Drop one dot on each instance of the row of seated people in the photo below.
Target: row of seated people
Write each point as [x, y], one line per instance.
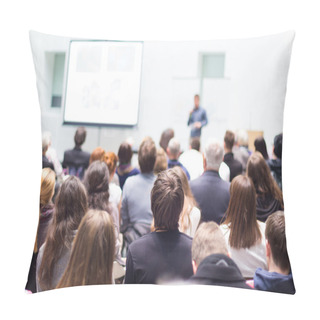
[206, 198]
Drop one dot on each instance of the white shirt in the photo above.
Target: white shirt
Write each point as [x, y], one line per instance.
[248, 259]
[192, 160]
[115, 193]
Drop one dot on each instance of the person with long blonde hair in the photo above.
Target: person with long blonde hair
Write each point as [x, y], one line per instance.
[91, 260]
[244, 234]
[190, 215]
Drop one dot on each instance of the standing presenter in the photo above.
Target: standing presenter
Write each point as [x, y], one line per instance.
[197, 118]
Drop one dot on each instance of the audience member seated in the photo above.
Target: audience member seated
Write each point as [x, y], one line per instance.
[96, 181]
[97, 154]
[278, 278]
[45, 161]
[190, 215]
[45, 216]
[192, 159]
[234, 165]
[165, 254]
[52, 157]
[275, 164]
[243, 233]
[70, 206]
[136, 211]
[260, 146]
[269, 195]
[240, 148]
[173, 152]
[125, 168]
[76, 160]
[210, 259]
[92, 254]
[161, 162]
[111, 160]
[166, 136]
[209, 190]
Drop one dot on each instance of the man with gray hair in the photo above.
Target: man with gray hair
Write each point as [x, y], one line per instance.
[173, 152]
[210, 191]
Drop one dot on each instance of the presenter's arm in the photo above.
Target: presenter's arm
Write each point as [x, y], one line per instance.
[204, 120]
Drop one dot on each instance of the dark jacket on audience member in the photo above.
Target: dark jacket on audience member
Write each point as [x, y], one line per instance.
[159, 257]
[46, 163]
[212, 195]
[234, 165]
[266, 205]
[123, 176]
[219, 270]
[44, 221]
[77, 161]
[275, 166]
[273, 281]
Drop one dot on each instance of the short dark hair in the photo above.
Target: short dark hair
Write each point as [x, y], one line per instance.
[167, 199]
[125, 153]
[147, 155]
[276, 236]
[166, 136]
[195, 143]
[229, 139]
[80, 136]
[277, 142]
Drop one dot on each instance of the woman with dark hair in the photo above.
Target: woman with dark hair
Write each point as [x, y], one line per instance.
[96, 181]
[260, 146]
[91, 260]
[243, 233]
[125, 169]
[165, 254]
[269, 195]
[54, 254]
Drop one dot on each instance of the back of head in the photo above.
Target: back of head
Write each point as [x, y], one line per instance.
[97, 154]
[208, 240]
[241, 137]
[174, 148]
[48, 179]
[276, 236]
[241, 213]
[229, 139]
[260, 146]
[111, 160]
[277, 143]
[213, 154]
[161, 163]
[125, 153]
[96, 181]
[80, 136]
[165, 138]
[195, 143]
[147, 155]
[93, 252]
[184, 180]
[46, 141]
[167, 199]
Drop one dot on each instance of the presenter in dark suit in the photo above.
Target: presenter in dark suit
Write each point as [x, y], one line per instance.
[197, 118]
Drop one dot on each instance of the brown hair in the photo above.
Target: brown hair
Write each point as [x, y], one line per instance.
[260, 146]
[276, 235]
[166, 136]
[208, 240]
[80, 136]
[259, 172]
[195, 143]
[125, 153]
[167, 200]
[111, 160]
[229, 139]
[96, 181]
[189, 201]
[91, 260]
[241, 214]
[70, 207]
[48, 179]
[97, 154]
[161, 161]
[147, 155]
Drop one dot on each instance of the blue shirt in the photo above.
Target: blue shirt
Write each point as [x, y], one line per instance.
[173, 163]
[197, 115]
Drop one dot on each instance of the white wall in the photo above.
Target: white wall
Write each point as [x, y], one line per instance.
[250, 97]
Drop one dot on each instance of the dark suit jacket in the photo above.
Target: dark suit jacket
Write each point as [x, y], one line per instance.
[234, 165]
[76, 161]
[212, 195]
